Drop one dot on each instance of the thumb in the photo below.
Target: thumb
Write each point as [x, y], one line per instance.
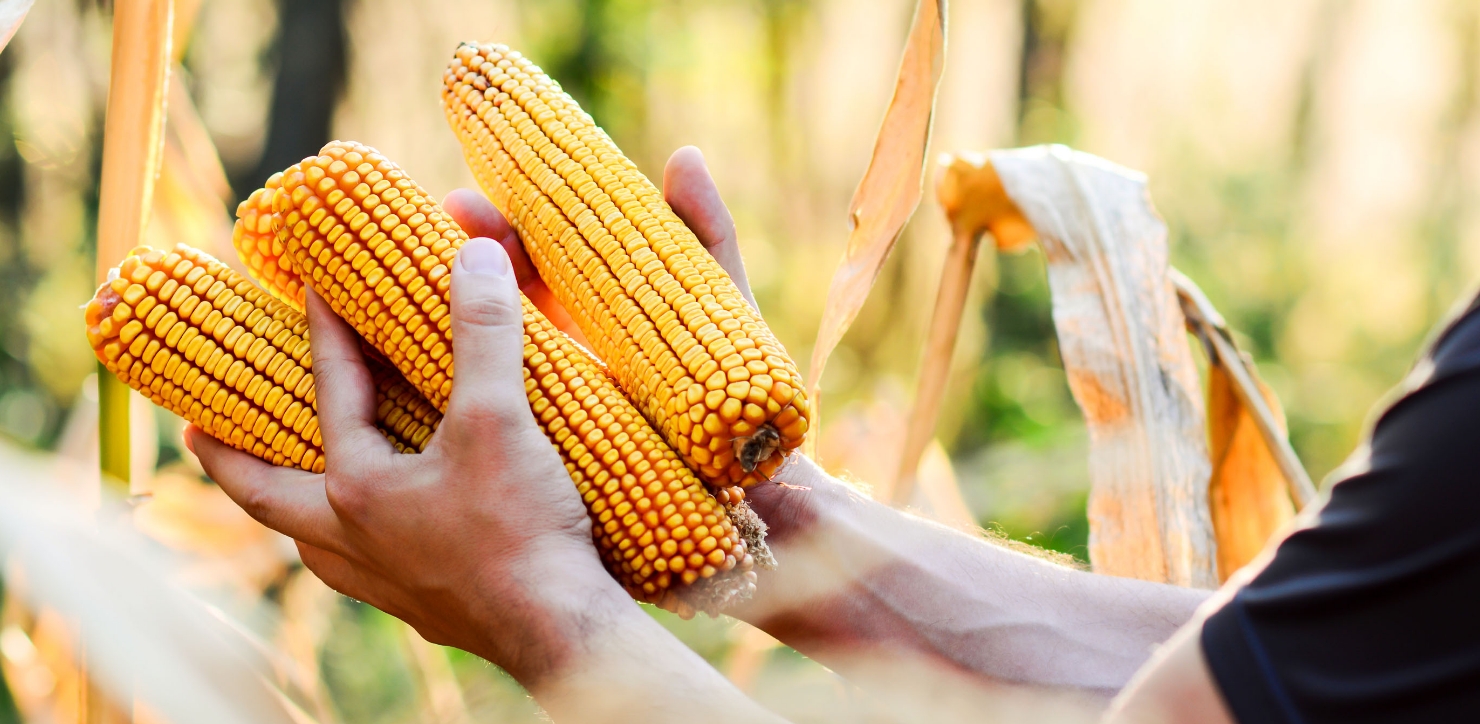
[487, 336]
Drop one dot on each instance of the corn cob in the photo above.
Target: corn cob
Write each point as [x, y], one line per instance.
[678, 337]
[258, 246]
[203, 342]
[375, 246]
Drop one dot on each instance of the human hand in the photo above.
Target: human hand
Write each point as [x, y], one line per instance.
[481, 541]
[421, 536]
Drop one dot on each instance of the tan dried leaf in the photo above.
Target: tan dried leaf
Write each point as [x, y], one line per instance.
[890, 189]
[1122, 336]
[1248, 496]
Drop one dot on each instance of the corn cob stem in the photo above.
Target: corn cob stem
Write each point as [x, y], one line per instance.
[678, 336]
[375, 246]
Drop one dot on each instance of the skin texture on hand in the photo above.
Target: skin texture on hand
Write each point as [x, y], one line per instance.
[857, 578]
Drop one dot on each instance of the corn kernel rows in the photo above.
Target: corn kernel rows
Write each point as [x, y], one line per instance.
[653, 519]
[405, 417]
[401, 406]
[203, 342]
[373, 244]
[699, 362]
[258, 246]
[378, 250]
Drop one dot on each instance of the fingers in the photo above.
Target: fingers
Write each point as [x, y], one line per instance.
[488, 339]
[690, 191]
[476, 214]
[287, 500]
[479, 217]
[344, 391]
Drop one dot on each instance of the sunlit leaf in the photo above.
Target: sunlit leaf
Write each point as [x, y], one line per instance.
[1257, 481]
[1125, 352]
[1247, 495]
[890, 189]
[144, 637]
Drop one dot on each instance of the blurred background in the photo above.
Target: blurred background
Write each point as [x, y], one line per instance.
[1315, 161]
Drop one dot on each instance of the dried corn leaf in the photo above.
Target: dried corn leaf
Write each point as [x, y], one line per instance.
[890, 189]
[1125, 352]
[1248, 496]
[1258, 482]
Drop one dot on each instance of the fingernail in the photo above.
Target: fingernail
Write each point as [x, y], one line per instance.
[484, 256]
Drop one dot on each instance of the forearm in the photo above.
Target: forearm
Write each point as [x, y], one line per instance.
[856, 576]
[608, 661]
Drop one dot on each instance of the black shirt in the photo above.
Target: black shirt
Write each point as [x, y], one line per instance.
[1371, 613]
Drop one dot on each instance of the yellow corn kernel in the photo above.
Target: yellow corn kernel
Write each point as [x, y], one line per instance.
[258, 246]
[664, 316]
[376, 247]
[205, 343]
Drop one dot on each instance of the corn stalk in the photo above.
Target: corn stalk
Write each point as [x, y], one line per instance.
[972, 197]
[133, 132]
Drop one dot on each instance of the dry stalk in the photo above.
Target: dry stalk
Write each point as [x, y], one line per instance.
[132, 134]
[974, 201]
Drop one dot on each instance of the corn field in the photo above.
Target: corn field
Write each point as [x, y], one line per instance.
[1323, 219]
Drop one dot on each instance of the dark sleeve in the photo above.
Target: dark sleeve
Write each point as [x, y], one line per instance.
[1372, 613]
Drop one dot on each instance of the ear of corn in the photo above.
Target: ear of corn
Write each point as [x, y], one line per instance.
[672, 326]
[375, 246]
[406, 416]
[258, 246]
[205, 343]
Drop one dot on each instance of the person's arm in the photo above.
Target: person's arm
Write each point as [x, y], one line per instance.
[1174, 686]
[480, 541]
[857, 578]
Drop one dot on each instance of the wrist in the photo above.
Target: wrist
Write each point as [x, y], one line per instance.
[562, 600]
[800, 498]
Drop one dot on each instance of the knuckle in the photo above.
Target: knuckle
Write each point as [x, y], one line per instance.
[349, 499]
[255, 501]
[488, 310]
[493, 408]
